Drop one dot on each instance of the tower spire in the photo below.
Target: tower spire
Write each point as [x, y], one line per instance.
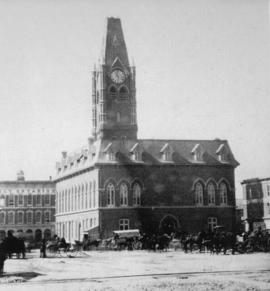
[113, 88]
[114, 43]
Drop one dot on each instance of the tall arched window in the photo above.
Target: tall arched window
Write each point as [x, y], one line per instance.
[11, 218]
[110, 194]
[47, 216]
[79, 198]
[86, 195]
[113, 92]
[20, 217]
[2, 201]
[29, 199]
[38, 217]
[2, 217]
[90, 195]
[211, 194]
[136, 194]
[199, 194]
[223, 194]
[123, 93]
[29, 217]
[123, 195]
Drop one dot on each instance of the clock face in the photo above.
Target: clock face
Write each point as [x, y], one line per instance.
[118, 76]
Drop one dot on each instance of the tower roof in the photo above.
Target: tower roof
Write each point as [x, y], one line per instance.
[114, 43]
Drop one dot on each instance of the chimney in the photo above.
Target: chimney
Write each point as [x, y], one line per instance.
[64, 155]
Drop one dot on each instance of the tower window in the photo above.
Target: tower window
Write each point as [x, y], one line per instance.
[123, 93]
[113, 92]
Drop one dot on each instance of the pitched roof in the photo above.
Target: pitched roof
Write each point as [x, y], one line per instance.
[151, 149]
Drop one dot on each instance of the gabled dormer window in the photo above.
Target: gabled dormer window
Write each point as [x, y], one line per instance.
[110, 155]
[135, 152]
[197, 153]
[166, 152]
[222, 153]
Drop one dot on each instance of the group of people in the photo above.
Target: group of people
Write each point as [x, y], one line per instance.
[9, 246]
[221, 240]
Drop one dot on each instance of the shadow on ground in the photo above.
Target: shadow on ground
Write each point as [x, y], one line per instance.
[18, 277]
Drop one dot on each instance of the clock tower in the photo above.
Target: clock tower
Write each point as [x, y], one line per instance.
[114, 88]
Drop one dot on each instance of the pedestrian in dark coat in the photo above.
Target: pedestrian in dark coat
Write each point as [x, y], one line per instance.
[43, 248]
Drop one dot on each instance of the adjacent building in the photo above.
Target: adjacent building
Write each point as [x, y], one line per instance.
[256, 203]
[27, 208]
[119, 182]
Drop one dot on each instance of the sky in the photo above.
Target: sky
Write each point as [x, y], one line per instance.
[203, 72]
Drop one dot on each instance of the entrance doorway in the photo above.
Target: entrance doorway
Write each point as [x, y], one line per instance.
[169, 224]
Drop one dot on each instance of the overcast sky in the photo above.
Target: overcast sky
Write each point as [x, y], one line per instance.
[203, 71]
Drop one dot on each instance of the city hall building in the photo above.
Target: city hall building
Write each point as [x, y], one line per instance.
[27, 208]
[120, 182]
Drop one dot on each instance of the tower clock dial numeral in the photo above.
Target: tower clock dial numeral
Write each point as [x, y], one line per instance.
[118, 76]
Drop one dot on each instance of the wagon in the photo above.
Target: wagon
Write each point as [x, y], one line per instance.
[127, 239]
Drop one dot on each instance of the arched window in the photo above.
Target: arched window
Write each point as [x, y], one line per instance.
[211, 194]
[90, 195]
[38, 199]
[123, 195]
[2, 201]
[223, 194]
[199, 194]
[123, 93]
[69, 202]
[29, 217]
[211, 222]
[75, 204]
[2, 218]
[11, 200]
[113, 92]
[20, 217]
[38, 217]
[136, 194]
[47, 216]
[47, 199]
[29, 199]
[110, 194]
[79, 198]
[11, 218]
[86, 195]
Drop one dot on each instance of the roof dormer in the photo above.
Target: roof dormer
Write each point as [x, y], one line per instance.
[197, 153]
[109, 152]
[222, 153]
[166, 152]
[136, 152]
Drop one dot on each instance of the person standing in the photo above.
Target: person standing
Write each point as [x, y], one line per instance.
[43, 248]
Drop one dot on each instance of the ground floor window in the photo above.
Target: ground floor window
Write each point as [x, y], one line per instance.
[212, 222]
[124, 224]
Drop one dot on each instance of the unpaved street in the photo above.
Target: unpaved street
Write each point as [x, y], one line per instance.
[138, 270]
